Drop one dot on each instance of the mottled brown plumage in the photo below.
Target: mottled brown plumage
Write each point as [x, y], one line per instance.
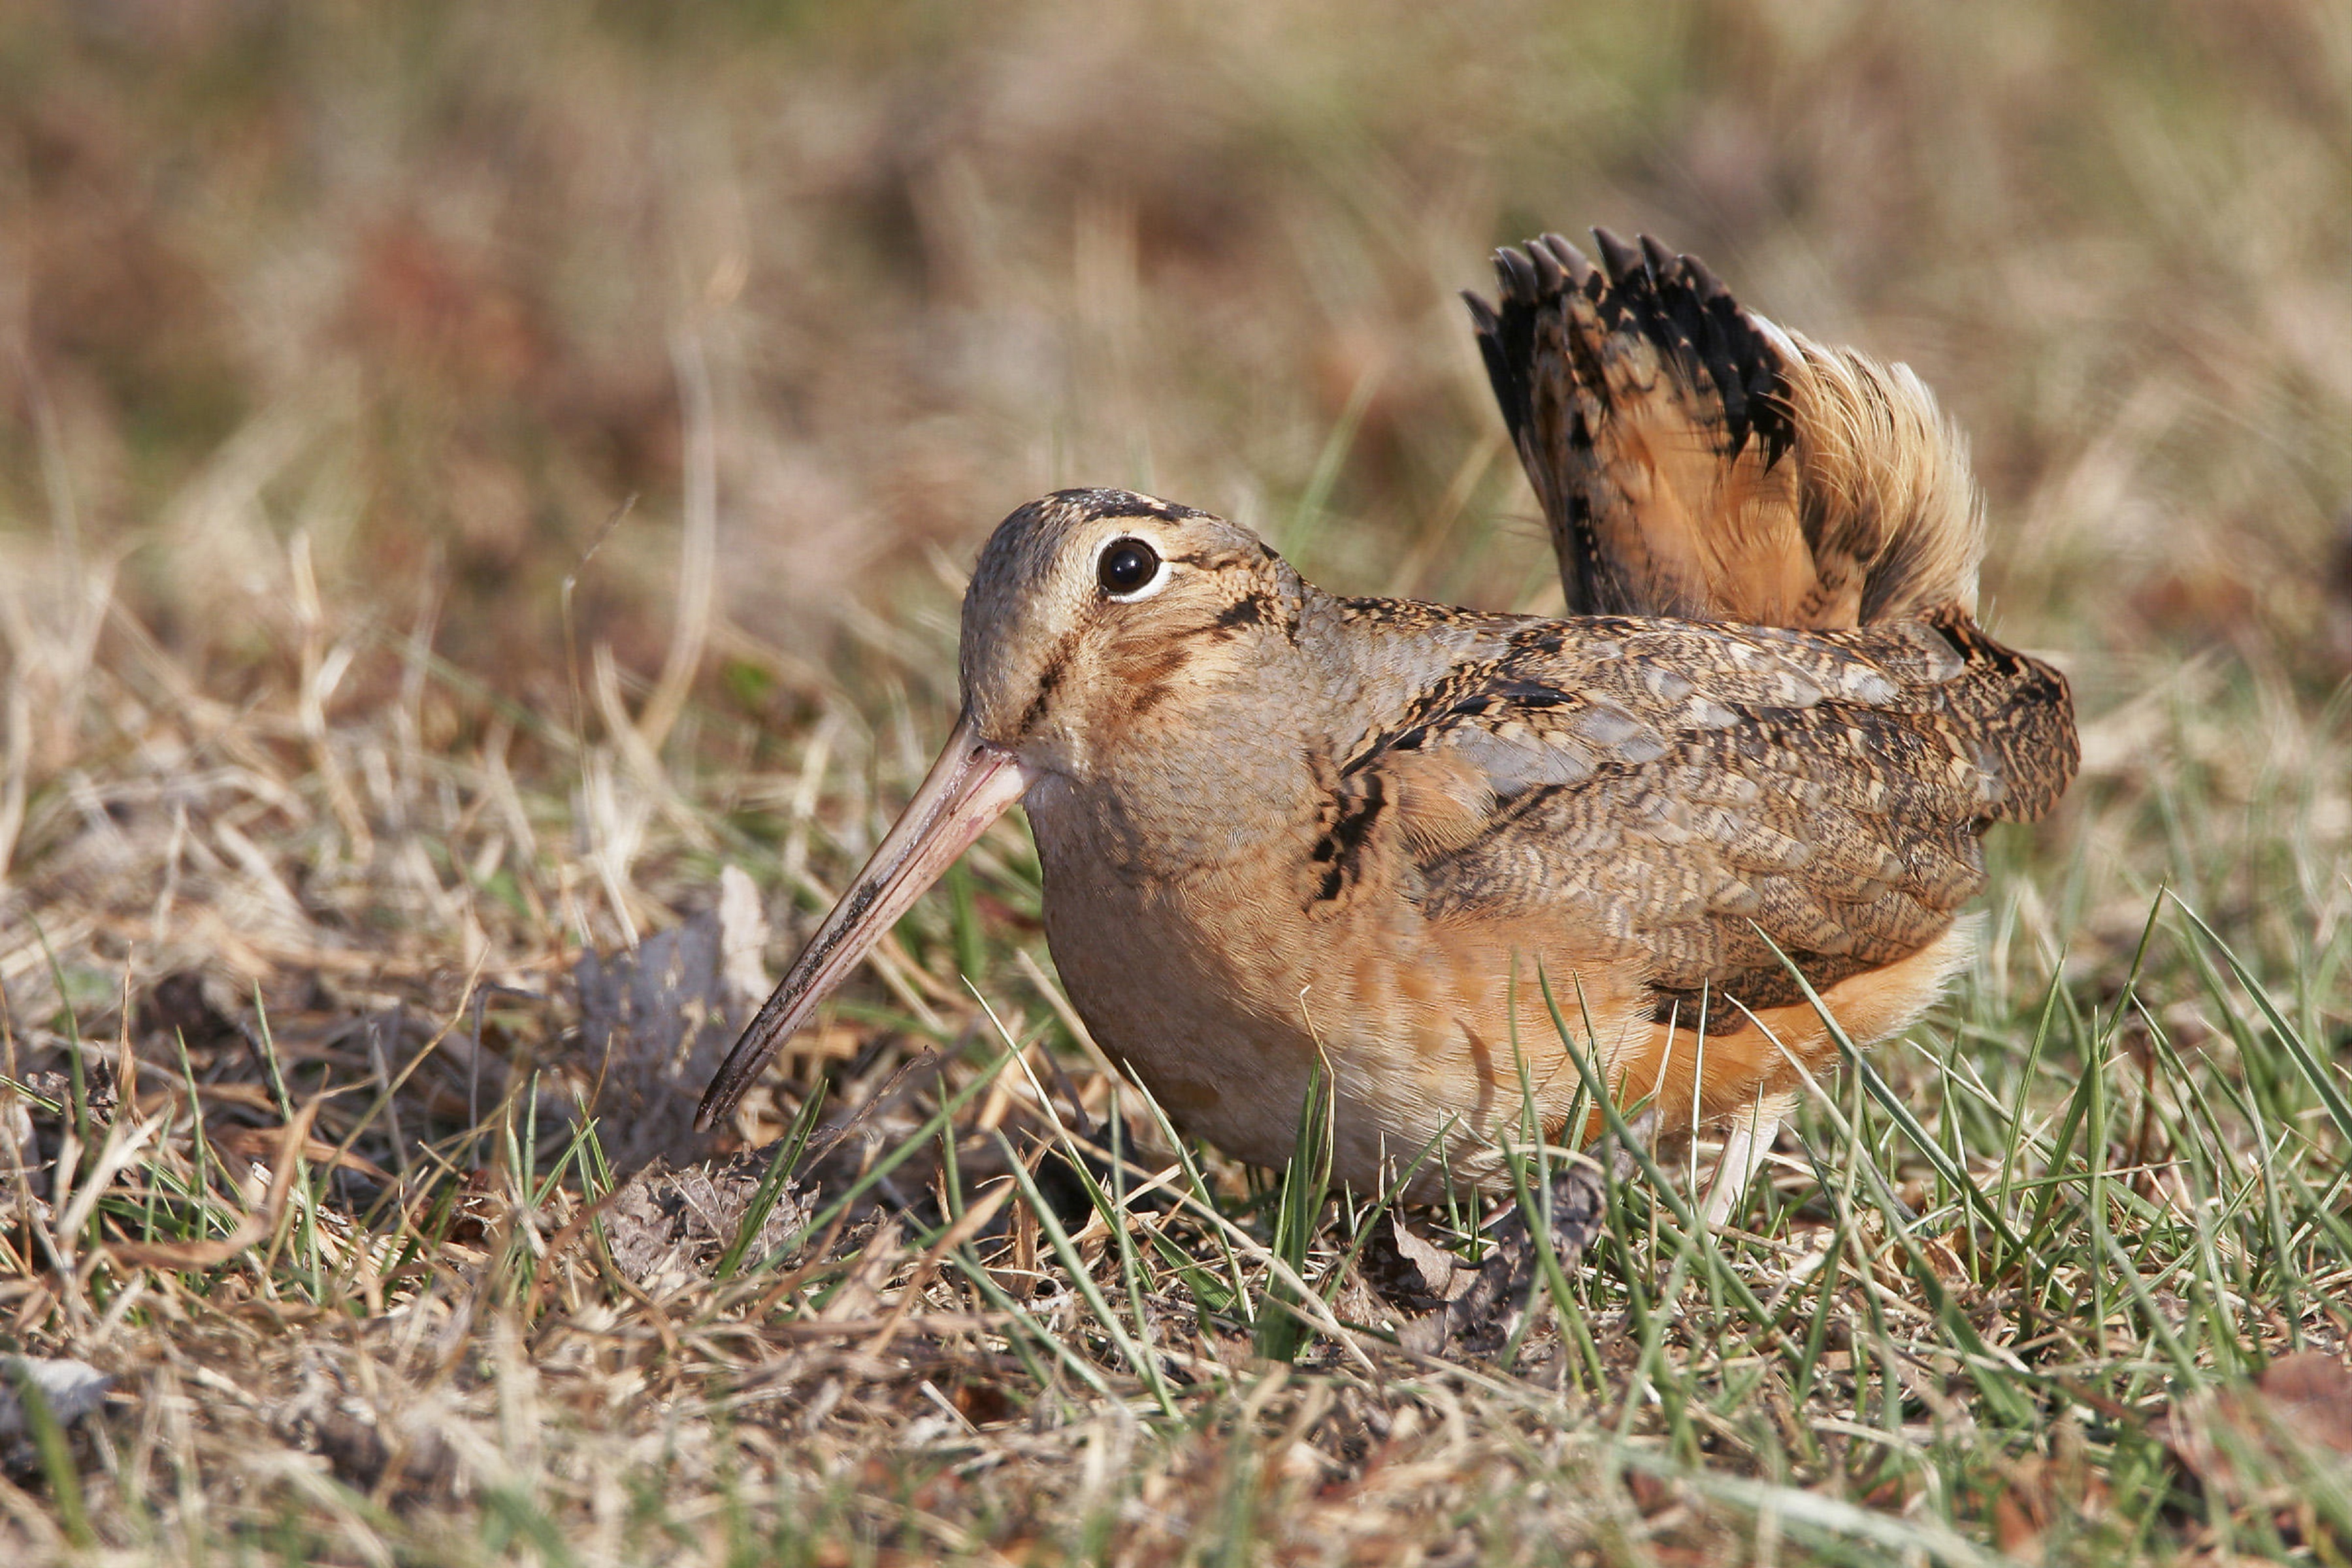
[1280, 828]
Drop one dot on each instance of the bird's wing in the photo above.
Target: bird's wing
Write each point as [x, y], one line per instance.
[1685, 790]
[1695, 461]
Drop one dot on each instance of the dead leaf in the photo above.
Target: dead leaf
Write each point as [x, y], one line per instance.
[655, 1019]
[71, 1389]
[1410, 1270]
[2310, 1394]
[2017, 1526]
[1944, 1256]
[2256, 1446]
[262, 1143]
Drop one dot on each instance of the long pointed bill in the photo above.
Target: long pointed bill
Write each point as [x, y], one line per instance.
[973, 783]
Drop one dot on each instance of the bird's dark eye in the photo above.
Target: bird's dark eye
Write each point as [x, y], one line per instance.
[1126, 565]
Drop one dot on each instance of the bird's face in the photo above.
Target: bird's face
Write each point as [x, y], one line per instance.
[1092, 614]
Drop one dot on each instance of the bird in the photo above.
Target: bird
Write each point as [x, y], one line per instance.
[1739, 789]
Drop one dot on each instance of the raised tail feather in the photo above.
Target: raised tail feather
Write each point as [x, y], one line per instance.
[1696, 460]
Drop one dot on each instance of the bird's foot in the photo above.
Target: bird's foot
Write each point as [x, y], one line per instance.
[1481, 1318]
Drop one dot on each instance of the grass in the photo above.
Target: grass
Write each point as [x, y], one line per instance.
[490, 488]
[1974, 1309]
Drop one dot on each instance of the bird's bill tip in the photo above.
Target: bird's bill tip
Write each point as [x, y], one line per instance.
[972, 784]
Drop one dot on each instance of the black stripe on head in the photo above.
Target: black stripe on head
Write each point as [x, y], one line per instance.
[1101, 504]
[1057, 664]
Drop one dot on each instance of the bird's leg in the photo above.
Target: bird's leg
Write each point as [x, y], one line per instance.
[1745, 1146]
[1486, 1315]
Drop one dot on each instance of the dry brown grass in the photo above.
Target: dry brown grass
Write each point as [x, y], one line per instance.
[473, 475]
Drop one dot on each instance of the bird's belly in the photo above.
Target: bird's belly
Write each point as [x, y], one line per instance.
[1185, 1000]
[1221, 991]
[1220, 998]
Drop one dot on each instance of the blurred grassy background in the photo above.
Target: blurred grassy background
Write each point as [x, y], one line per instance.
[467, 473]
[413, 283]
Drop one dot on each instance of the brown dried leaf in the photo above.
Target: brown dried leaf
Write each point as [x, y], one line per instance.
[656, 1019]
[1410, 1270]
[2244, 1439]
[2309, 1395]
[262, 1143]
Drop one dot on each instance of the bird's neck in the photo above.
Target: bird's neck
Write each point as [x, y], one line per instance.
[1245, 764]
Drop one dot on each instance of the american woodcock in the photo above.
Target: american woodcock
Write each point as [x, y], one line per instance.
[1280, 827]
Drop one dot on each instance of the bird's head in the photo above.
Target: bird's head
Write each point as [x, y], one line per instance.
[1091, 613]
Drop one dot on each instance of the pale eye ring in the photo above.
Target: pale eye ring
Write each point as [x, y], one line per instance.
[1129, 569]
